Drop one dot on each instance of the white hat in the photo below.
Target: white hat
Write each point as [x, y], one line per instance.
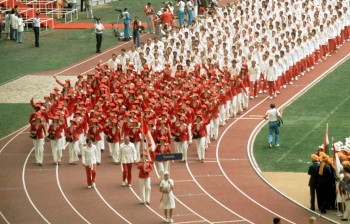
[159, 13]
[338, 146]
[346, 147]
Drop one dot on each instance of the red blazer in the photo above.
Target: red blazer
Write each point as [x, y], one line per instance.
[72, 132]
[182, 132]
[114, 134]
[135, 133]
[145, 170]
[39, 131]
[57, 130]
[202, 130]
[165, 149]
[95, 133]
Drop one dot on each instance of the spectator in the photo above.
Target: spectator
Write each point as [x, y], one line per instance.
[149, 10]
[113, 62]
[126, 20]
[273, 115]
[74, 6]
[36, 27]
[136, 25]
[0, 23]
[313, 181]
[190, 12]
[181, 4]
[88, 8]
[20, 29]
[7, 25]
[99, 31]
[276, 220]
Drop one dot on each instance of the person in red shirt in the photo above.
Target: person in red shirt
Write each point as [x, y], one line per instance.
[56, 139]
[135, 138]
[199, 131]
[163, 148]
[113, 138]
[72, 137]
[145, 168]
[38, 133]
[166, 17]
[149, 10]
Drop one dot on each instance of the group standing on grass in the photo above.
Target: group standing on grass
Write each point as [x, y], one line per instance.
[171, 92]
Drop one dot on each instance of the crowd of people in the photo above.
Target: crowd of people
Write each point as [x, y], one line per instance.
[184, 86]
[330, 179]
[11, 25]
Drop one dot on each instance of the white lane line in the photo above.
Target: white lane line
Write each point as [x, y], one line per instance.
[25, 187]
[103, 199]
[183, 204]
[224, 173]
[8, 142]
[65, 198]
[2, 215]
[13, 132]
[253, 135]
[132, 190]
[214, 199]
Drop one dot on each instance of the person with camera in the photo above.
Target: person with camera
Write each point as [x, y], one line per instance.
[273, 115]
[136, 25]
[98, 30]
[126, 20]
[89, 159]
[149, 10]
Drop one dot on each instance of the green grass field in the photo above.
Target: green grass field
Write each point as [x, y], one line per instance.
[13, 117]
[305, 123]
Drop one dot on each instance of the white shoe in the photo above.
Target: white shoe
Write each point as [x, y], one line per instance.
[284, 86]
[271, 97]
[290, 83]
[265, 91]
[93, 185]
[260, 91]
[167, 220]
[89, 187]
[278, 145]
[124, 184]
[171, 220]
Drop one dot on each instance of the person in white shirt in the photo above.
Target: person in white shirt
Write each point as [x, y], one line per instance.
[113, 62]
[89, 158]
[20, 29]
[181, 4]
[127, 156]
[273, 115]
[254, 72]
[98, 30]
[271, 77]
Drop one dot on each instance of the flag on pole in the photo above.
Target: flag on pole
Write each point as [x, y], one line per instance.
[147, 134]
[326, 142]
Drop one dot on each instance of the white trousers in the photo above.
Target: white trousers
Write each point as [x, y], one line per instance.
[183, 149]
[102, 134]
[222, 114]
[115, 152]
[145, 189]
[73, 151]
[56, 150]
[138, 147]
[239, 102]
[39, 150]
[98, 147]
[214, 124]
[245, 98]
[200, 143]
[162, 167]
[189, 128]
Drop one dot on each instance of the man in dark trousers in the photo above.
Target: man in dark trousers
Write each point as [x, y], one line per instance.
[313, 182]
[36, 27]
[325, 183]
[98, 30]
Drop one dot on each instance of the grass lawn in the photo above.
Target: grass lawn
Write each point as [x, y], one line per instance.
[59, 48]
[305, 123]
[13, 117]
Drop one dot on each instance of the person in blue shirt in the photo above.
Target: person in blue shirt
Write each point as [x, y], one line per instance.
[126, 20]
